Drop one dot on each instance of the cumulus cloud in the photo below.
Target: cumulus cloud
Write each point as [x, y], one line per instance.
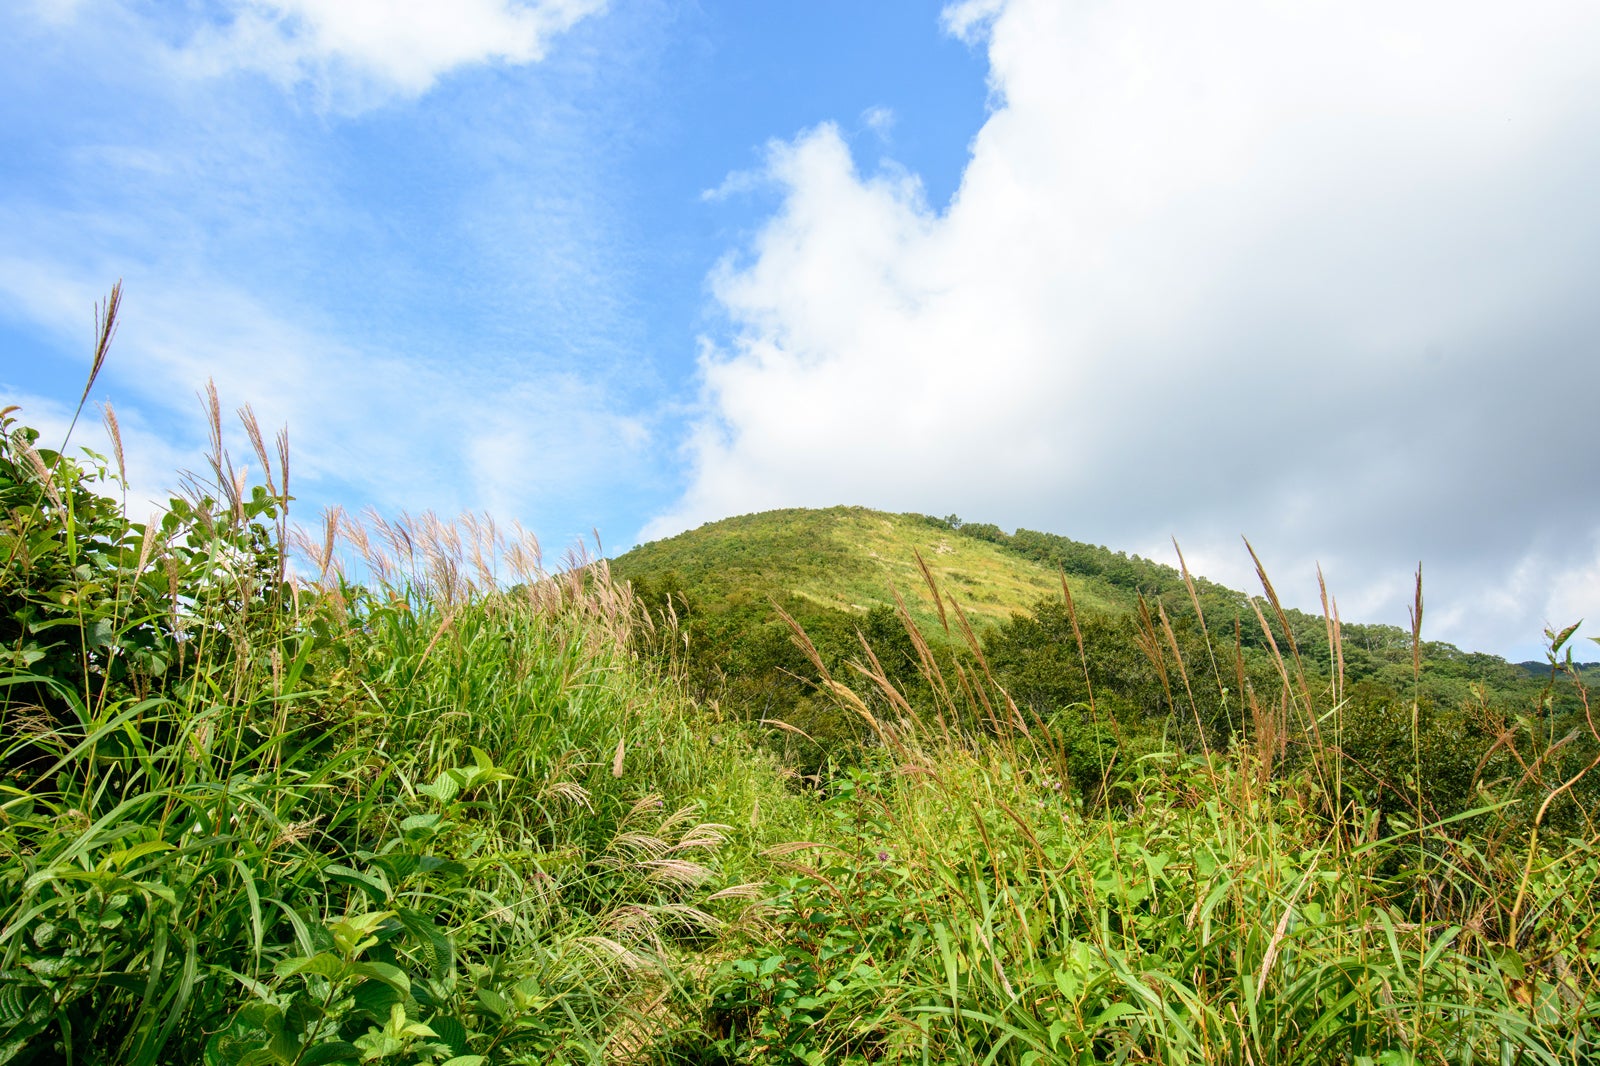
[1311, 272]
[377, 47]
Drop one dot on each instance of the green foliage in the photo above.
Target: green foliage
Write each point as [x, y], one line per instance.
[969, 912]
[248, 820]
[824, 994]
[1154, 658]
[959, 904]
[251, 823]
[96, 611]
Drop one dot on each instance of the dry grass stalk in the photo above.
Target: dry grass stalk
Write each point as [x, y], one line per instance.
[641, 806]
[750, 890]
[114, 431]
[1270, 957]
[282, 442]
[676, 871]
[1313, 725]
[216, 455]
[1183, 674]
[252, 432]
[927, 664]
[933, 588]
[30, 720]
[605, 949]
[330, 535]
[1150, 644]
[1330, 617]
[1200, 617]
[1416, 628]
[41, 471]
[873, 671]
[571, 792]
[1077, 635]
[105, 328]
[787, 728]
[147, 543]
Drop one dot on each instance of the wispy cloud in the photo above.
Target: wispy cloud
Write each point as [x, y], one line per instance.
[430, 300]
[1244, 268]
[367, 427]
[879, 120]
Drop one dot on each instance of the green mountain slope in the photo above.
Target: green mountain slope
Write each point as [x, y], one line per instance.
[850, 559]
[1146, 660]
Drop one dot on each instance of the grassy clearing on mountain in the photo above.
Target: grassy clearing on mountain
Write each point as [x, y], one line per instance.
[848, 559]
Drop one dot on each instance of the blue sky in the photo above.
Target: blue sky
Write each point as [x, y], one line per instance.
[1319, 274]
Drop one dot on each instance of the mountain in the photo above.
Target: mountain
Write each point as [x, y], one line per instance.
[1145, 652]
[850, 559]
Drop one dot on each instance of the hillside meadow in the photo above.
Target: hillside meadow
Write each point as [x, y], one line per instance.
[395, 792]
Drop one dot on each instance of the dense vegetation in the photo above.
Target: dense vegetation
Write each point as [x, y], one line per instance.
[426, 802]
[1169, 658]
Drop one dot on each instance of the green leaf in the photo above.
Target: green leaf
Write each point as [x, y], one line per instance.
[437, 949]
[1510, 962]
[1113, 1013]
[376, 888]
[390, 975]
[332, 1051]
[494, 1003]
[323, 964]
[374, 998]
[452, 1033]
[1557, 640]
[119, 859]
[445, 787]
[421, 821]
[353, 934]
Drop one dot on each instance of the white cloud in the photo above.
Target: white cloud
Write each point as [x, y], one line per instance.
[879, 120]
[969, 19]
[737, 183]
[365, 426]
[1301, 271]
[406, 293]
[56, 11]
[361, 51]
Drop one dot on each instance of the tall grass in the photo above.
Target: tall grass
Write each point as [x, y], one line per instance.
[250, 818]
[967, 905]
[427, 802]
